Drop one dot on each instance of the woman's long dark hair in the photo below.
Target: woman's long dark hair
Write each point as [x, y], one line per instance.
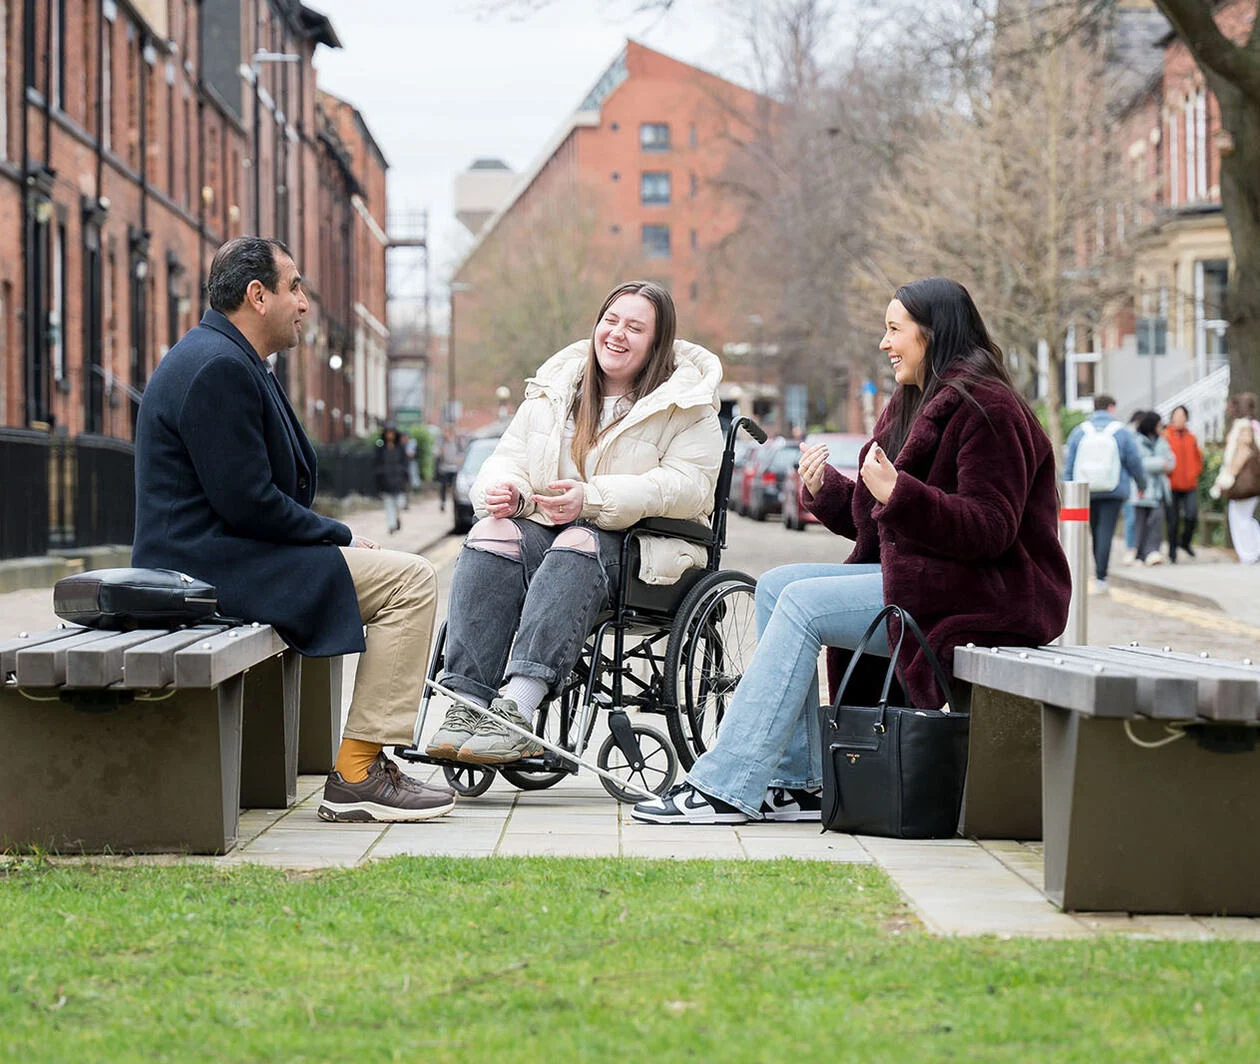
[960, 353]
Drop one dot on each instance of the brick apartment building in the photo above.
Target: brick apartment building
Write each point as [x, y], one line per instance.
[135, 137]
[1170, 138]
[641, 158]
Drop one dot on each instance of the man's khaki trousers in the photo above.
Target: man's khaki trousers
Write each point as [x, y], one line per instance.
[397, 601]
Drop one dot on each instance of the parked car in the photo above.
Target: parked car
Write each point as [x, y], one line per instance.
[843, 449]
[745, 448]
[765, 493]
[478, 450]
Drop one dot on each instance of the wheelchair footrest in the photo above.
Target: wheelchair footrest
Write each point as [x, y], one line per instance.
[548, 762]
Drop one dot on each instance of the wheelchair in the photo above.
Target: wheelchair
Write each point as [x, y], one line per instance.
[676, 651]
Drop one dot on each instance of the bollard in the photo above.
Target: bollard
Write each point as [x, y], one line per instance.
[1074, 535]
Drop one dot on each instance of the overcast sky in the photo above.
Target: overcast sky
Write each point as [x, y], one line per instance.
[443, 82]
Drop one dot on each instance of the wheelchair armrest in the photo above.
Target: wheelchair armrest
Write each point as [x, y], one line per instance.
[691, 531]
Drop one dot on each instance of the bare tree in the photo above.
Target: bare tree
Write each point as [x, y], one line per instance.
[1232, 72]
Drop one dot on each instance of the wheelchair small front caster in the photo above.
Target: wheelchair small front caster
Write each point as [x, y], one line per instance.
[653, 766]
[468, 781]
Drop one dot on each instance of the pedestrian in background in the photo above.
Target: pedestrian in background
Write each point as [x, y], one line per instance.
[1183, 508]
[446, 464]
[1150, 506]
[410, 448]
[1239, 479]
[391, 476]
[1128, 514]
[1109, 471]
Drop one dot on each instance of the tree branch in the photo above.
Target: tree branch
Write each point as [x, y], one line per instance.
[1193, 22]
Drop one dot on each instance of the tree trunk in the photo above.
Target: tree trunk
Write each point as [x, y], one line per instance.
[1240, 198]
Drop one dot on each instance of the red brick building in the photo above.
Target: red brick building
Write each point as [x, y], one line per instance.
[1171, 140]
[135, 137]
[639, 164]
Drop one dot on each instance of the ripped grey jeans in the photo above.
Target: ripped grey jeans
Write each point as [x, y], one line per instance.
[545, 586]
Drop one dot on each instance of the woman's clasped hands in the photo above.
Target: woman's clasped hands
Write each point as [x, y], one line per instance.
[565, 507]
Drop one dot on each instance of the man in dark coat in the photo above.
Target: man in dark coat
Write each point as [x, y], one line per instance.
[225, 477]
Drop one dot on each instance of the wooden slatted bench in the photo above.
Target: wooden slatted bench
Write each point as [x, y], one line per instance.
[1150, 773]
[151, 741]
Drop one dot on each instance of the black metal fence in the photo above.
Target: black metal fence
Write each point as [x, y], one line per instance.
[345, 470]
[24, 515]
[98, 489]
[62, 492]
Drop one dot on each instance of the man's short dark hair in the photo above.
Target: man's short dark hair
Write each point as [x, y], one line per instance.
[1101, 402]
[236, 263]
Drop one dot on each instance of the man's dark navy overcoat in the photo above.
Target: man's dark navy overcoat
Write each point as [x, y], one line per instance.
[225, 477]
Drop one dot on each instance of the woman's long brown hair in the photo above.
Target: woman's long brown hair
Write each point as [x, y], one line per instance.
[588, 402]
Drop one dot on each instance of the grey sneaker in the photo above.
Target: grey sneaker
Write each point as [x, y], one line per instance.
[457, 728]
[493, 744]
[387, 794]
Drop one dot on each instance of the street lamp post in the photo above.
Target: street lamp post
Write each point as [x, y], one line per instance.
[255, 65]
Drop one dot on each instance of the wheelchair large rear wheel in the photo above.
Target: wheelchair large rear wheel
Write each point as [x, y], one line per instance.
[710, 646]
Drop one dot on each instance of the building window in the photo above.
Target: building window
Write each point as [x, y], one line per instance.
[695, 240]
[4, 87]
[1200, 159]
[107, 83]
[1174, 172]
[693, 290]
[57, 45]
[695, 184]
[614, 229]
[1192, 190]
[1211, 324]
[654, 136]
[692, 141]
[656, 241]
[57, 306]
[654, 188]
[616, 176]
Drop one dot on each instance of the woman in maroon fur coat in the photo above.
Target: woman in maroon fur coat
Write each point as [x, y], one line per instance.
[955, 518]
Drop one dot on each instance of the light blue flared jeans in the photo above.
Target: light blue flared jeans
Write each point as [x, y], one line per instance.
[769, 735]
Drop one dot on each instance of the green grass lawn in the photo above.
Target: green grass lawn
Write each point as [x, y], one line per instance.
[550, 959]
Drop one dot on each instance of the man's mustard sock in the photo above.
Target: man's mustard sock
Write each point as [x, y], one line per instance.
[354, 758]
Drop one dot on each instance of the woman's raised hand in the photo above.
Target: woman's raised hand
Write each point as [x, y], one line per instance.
[878, 473]
[565, 507]
[812, 463]
[503, 500]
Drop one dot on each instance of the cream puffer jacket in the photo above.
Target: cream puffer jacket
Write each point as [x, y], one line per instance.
[660, 460]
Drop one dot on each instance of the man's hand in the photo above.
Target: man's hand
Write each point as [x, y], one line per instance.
[364, 543]
[812, 464]
[502, 500]
[878, 473]
[566, 507]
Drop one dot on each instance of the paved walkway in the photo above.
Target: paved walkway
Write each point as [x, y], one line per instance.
[956, 886]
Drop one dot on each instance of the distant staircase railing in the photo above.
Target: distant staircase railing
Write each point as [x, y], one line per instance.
[1205, 400]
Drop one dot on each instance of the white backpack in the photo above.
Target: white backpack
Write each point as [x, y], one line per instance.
[1098, 458]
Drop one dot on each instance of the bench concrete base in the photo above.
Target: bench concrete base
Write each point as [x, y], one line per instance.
[320, 732]
[269, 751]
[148, 777]
[1002, 799]
[1167, 830]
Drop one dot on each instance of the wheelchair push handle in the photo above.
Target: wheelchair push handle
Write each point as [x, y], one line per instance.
[748, 425]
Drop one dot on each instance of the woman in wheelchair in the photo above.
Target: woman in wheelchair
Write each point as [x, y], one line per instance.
[955, 519]
[613, 429]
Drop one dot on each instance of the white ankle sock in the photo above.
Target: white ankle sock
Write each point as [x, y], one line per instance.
[527, 692]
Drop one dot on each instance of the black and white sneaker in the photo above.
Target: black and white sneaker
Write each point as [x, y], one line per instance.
[784, 803]
[684, 804]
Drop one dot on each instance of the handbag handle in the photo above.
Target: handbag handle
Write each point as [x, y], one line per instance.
[907, 623]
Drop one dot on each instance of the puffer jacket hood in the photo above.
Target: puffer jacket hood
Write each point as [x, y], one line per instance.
[694, 381]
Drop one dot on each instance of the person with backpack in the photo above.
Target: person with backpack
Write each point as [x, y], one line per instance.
[1103, 453]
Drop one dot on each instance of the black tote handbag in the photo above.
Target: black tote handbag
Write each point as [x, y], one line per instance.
[888, 770]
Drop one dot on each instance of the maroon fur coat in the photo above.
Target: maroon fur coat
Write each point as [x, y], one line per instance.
[968, 540]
